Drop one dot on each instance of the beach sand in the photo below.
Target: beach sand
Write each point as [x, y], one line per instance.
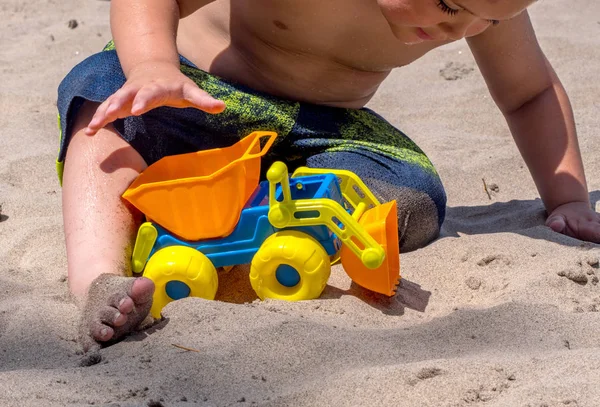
[499, 311]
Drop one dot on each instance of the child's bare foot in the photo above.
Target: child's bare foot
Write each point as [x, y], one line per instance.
[115, 306]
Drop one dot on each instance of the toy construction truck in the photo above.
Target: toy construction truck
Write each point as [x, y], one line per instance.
[207, 210]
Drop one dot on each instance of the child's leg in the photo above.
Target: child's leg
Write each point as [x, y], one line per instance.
[415, 191]
[99, 232]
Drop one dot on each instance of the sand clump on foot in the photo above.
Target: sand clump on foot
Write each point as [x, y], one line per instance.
[114, 307]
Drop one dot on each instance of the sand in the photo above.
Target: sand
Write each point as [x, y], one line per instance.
[499, 311]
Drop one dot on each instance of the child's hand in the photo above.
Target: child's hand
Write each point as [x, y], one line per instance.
[576, 219]
[151, 85]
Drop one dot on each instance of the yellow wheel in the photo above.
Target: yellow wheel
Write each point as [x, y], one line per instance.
[179, 272]
[291, 266]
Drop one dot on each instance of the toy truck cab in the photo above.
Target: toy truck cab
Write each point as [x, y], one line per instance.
[287, 228]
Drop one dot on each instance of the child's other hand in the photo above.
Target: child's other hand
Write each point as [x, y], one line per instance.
[151, 85]
[576, 219]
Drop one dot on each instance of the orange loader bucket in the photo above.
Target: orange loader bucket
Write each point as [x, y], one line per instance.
[381, 222]
[201, 195]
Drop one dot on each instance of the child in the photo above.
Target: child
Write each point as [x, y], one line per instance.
[198, 74]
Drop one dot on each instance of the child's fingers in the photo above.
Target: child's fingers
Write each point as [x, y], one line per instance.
[199, 99]
[557, 223]
[590, 230]
[115, 107]
[133, 100]
[119, 105]
[186, 95]
[149, 97]
[585, 228]
[591, 234]
[96, 123]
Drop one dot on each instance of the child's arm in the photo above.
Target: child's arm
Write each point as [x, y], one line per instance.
[538, 112]
[145, 33]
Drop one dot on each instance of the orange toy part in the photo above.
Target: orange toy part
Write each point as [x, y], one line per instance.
[381, 222]
[201, 195]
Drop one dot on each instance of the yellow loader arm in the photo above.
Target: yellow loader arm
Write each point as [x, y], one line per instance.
[353, 189]
[325, 212]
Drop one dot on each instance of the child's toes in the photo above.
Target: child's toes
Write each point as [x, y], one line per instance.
[141, 291]
[115, 306]
[110, 316]
[126, 305]
[119, 319]
[101, 332]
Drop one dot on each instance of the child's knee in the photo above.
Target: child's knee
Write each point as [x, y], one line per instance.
[418, 214]
[418, 217]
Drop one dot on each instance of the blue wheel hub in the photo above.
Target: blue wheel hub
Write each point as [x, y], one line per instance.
[177, 289]
[287, 275]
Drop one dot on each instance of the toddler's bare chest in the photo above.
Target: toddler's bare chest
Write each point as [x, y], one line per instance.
[349, 32]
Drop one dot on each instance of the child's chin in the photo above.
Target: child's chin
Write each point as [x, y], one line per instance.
[406, 38]
[412, 42]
